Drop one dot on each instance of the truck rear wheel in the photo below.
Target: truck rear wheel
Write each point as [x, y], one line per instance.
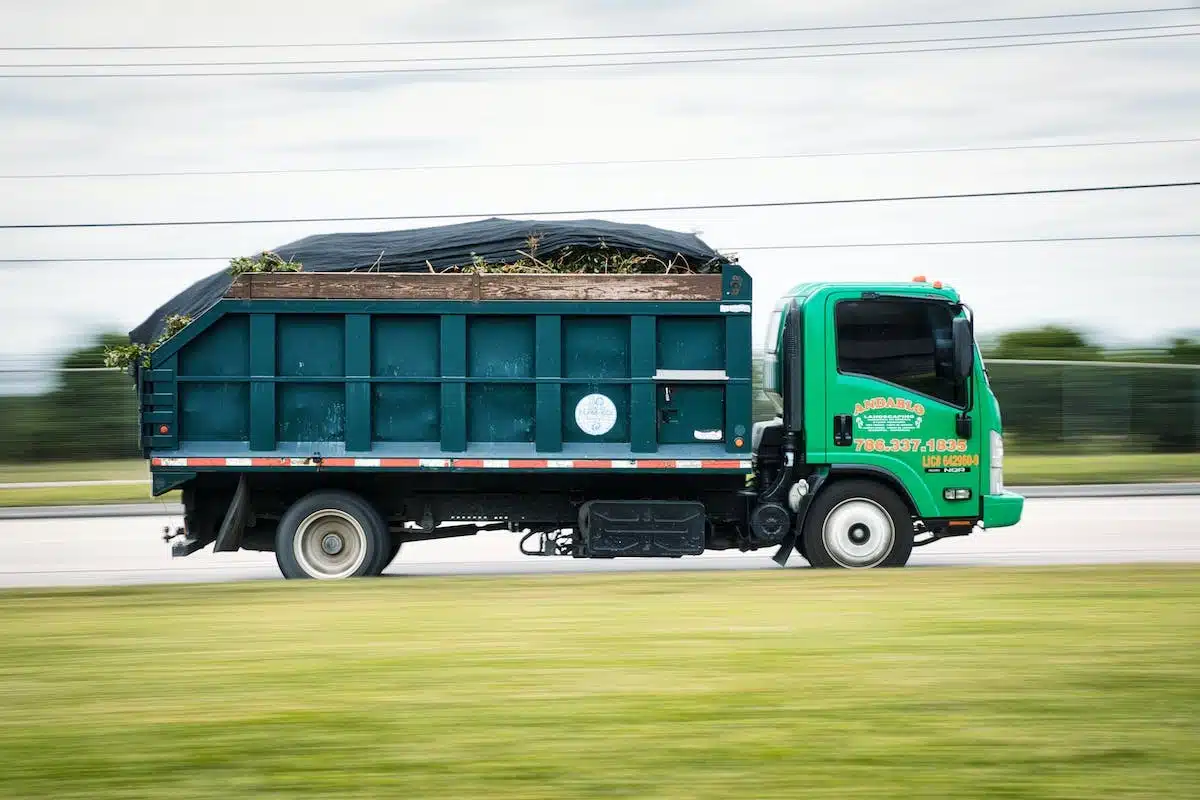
[393, 551]
[330, 535]
[858, 525]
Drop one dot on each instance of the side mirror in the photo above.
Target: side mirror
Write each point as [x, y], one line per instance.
[964, 347]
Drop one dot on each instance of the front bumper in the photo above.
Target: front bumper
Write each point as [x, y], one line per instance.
[1002, 510]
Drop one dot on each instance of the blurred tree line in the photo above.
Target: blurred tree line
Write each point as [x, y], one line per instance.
[86, 415]
[1046, 407]
[1052, 407]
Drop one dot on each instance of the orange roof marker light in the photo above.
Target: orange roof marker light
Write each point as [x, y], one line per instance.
[937, 284]
[919, 279]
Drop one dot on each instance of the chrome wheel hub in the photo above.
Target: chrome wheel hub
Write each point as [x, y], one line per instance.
[330, 544]
[858, 533]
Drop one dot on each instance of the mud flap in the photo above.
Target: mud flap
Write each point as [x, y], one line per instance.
[789, 542]
[229, 537]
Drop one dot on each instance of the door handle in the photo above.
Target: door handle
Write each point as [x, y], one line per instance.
[843, 430]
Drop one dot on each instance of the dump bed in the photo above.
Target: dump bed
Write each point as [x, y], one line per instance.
[457, 371]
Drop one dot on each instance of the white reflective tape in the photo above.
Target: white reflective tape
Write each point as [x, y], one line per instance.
[691, 375]
[435, 463]
[736, 308]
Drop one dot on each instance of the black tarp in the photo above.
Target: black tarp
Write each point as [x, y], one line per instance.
[495, 240]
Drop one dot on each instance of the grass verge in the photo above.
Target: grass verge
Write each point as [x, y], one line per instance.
[1079, 682]
[1025, 470]
[1019, 471]
[113, 470]
[81, 496]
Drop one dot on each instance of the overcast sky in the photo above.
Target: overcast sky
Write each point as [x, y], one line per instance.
[1116, 91]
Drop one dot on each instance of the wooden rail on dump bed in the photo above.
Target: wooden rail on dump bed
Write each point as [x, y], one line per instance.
[495, 286]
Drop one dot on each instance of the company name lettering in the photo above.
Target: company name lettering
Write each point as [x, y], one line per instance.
[897, 403]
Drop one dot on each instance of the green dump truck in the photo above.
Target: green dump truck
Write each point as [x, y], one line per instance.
[331, 418]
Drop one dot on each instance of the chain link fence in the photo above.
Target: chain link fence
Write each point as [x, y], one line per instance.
[1060, 407]
[1087, 407]
[1098, 407]
[67, 415]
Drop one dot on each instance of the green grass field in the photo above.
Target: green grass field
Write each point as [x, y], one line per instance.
[1015, 683]
[81, 496]
[1020, 471]
[1139, 468]
[124, 469]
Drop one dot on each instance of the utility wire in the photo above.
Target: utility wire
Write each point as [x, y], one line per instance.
[591, 65]
[603, 162]
[818, 246]
[1034, 240]
[594, 54]
[596, 37]
[579, 212]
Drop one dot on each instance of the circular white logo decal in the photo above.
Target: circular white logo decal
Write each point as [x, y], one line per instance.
[595, 415]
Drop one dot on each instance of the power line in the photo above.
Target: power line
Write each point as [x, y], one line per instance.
[1033, 240]
[628, 210]
[597, 37]
[817, 246]
[111, 260]
[594, 54]
[596, 163]
[591, 65]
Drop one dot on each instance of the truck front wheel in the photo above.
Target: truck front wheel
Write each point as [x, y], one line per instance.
[858, 525]
[329, 535]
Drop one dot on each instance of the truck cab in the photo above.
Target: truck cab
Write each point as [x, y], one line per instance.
[884, 389]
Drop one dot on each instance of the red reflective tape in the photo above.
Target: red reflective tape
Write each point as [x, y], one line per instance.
[400, 463]
[469, 463]
[463, 463]
[206, 462]
[270, 462]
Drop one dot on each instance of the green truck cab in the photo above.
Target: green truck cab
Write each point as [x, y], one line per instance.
[332, 417]
[893, 394]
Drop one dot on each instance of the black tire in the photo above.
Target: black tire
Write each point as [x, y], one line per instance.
[856, 512]
[362, 534]
[801, 548]
[393, 551]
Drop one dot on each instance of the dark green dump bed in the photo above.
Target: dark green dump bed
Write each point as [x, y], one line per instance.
[465, 372]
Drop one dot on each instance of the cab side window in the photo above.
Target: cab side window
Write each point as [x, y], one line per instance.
[905, 342]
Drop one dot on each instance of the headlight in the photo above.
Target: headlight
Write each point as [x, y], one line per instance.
[996, 457]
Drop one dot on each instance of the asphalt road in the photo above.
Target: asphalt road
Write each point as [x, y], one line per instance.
[128, 550]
